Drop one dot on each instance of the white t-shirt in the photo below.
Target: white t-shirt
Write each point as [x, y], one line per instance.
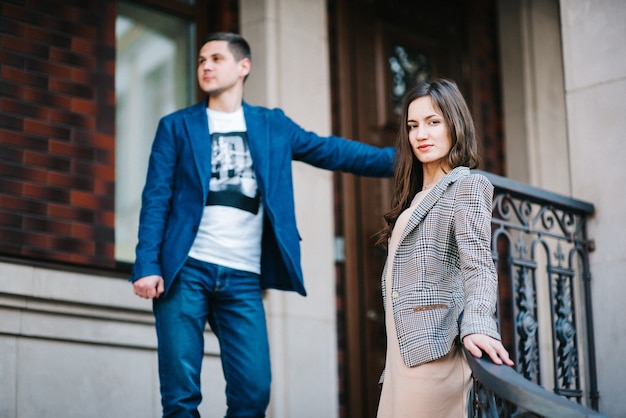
[232, 223]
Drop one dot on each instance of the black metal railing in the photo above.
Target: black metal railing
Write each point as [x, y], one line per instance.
[500, 391]
[541, 250]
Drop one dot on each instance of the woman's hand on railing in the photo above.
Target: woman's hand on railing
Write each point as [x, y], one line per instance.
[477, 343]
[500, 390]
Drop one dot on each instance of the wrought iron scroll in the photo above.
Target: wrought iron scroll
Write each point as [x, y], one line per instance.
[499, 391]
[540, 243]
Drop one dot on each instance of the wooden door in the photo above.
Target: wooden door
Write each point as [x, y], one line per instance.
[379, 49]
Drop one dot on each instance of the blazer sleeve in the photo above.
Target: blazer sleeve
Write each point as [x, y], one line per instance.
[472, 223]
[156, 202]
[336, 153]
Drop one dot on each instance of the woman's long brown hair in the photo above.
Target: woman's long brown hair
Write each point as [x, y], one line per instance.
[408, 175]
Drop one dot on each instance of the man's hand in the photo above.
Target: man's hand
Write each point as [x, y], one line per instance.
[477, 343]
[149, 287]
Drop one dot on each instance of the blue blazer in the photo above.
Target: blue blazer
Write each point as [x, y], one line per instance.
[177, 185]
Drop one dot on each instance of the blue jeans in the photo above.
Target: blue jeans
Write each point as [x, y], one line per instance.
[230, 300]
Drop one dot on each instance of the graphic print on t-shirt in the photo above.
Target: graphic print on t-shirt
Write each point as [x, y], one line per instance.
[233, 182]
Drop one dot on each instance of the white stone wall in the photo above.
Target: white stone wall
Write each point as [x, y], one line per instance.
[81, 346]
[533, 94]
[594, 55]
[290, 70]
[564, 84]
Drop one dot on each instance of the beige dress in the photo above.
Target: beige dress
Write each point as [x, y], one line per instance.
[437, 389]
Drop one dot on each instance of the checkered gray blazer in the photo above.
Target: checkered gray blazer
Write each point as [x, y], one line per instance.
[443, 270]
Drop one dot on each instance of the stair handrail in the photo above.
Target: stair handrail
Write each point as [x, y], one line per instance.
[506, 383]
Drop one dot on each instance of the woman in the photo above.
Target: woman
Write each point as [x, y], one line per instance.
[439, 282]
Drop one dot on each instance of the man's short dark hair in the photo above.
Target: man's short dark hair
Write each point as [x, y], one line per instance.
[236, 43]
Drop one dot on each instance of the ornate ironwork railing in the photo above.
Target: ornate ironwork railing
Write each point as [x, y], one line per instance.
[499, 391]
[541, 250]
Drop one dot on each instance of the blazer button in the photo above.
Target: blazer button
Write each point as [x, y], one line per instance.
[394, 294]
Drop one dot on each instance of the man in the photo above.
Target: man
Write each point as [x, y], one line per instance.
[218, 225]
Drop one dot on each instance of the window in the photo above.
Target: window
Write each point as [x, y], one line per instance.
[408, 68]
[155, 75]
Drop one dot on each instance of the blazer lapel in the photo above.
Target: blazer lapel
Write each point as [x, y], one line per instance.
[431, 198]
[257, 126]
[197, 128]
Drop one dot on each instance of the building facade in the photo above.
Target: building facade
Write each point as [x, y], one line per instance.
[76, 342]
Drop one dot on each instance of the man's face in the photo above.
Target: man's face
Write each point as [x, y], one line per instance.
[219, 71]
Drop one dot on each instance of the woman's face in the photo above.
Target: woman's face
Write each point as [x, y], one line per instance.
[428, 134]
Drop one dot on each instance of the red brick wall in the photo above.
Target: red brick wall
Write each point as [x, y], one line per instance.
[57, 126]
